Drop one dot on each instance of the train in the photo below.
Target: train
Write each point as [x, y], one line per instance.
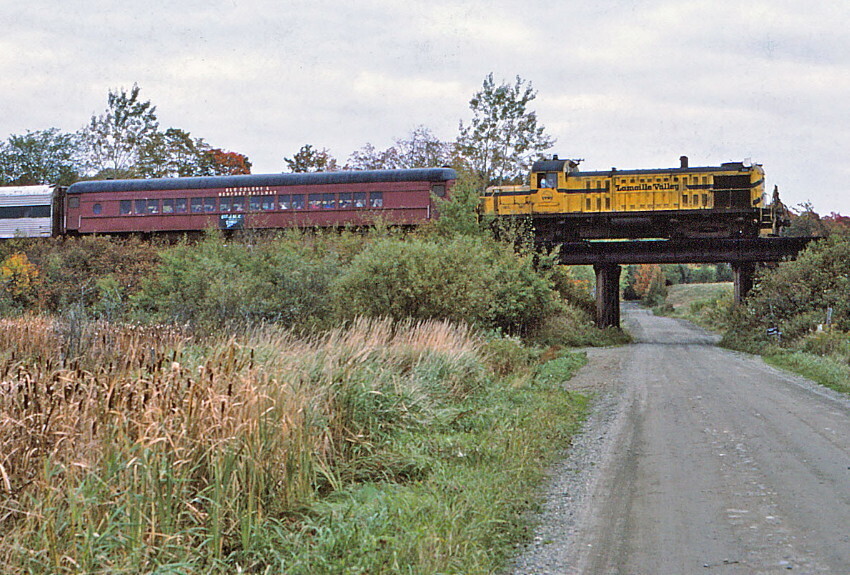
[563, 203]
[566, 204]
[255, 201]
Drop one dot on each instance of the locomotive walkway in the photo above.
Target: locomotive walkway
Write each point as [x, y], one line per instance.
[607, 256]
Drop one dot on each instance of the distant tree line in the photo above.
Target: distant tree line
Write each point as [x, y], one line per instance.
[125, 141]
[497, 145]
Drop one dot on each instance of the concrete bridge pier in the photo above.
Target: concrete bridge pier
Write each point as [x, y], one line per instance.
[742, 273]
[607, 294]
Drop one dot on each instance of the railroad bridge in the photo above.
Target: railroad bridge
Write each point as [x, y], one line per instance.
[607, 257]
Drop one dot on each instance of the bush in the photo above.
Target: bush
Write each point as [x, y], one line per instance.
[796, 295]
[574, 327]
[19, 279]
[73, 266]
[214, 283]
[464, 279]
[508, 356]
[574, 290]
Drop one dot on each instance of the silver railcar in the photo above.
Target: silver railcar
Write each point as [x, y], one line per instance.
[26, 211]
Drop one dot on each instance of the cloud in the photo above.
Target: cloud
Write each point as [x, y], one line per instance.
[632, 83]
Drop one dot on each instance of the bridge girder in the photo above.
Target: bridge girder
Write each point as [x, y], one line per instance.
[607, 256]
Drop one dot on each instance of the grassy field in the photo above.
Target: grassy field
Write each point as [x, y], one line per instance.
[704, 304]
[379, 448]
[683, 297]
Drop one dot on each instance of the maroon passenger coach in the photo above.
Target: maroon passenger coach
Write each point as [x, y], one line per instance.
[321, 199]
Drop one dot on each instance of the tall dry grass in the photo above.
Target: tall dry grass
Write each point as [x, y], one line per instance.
[147, 443]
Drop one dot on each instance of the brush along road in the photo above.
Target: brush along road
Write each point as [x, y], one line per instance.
[697, 460]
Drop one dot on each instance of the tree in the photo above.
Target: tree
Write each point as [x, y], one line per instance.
[370, 158]
[421, 149]
[805, 221]
[115, 140]
[41, 157]
[174, 153]
[459, 213]
[650, 284]
[219, 162]
[796, 296]
[309, 159]
[504, 136]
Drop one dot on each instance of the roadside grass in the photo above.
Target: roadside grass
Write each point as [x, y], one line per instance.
[825, 370]
[378, 448]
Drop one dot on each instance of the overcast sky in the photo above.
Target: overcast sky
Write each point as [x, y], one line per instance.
[623, 83]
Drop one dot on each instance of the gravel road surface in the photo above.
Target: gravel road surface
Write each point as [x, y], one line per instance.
[697, 460]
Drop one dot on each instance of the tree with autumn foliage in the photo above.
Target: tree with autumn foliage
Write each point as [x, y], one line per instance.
[19, 279]
[805, 221]
[175, 153]
[646, 282]
[222, 163]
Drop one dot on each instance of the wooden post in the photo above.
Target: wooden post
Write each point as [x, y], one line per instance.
[607, 295]
[743, 276]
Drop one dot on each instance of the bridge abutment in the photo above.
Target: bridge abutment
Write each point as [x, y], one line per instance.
[743, 273]
[607, 294]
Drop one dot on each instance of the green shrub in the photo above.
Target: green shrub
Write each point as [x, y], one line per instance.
[215, 283]
[797, 294]
[572, 289]
[463, 279]
[508, 356]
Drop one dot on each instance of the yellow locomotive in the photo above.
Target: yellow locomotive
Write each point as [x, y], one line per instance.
[566, 204]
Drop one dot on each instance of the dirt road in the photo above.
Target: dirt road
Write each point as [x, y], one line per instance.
[697, 460]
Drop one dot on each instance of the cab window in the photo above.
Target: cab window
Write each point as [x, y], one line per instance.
[547, 180]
